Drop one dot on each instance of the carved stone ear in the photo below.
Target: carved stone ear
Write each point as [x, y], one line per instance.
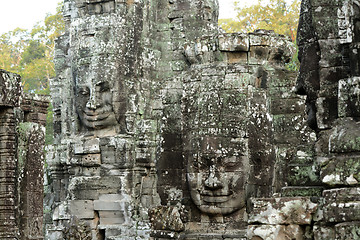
[191, 54]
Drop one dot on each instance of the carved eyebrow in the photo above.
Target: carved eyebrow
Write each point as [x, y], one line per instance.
[103, 84]
[81, 85]
[82, 88]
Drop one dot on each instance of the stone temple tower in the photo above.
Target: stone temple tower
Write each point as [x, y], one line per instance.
[117, 105]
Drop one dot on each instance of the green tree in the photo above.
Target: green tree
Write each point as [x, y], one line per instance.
[38, 64]
[6, 60]
[31, 54]
[12, 45]
[35, 50]
[274, 15]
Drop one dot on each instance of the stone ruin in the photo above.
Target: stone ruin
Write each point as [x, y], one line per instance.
[168, 128]
[22, 131]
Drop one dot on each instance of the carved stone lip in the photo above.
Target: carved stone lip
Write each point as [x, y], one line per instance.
[215, 196]
[218, 193]
[93, 117]
[215, 199]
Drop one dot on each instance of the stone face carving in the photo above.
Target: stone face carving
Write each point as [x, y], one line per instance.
[217, 177]
[94, 104]
[234, 111]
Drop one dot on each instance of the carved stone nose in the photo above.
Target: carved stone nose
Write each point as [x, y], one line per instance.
[91, 105]
[212, 182]
[93, 102]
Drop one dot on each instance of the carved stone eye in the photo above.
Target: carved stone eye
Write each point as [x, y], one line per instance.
[104, 87]
[83, 91]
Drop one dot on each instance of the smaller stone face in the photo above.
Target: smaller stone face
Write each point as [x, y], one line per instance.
[217, 178]
[94, 105]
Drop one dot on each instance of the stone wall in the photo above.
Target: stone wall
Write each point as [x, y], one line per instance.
[9, 100]
[328, 52]
[168, 128]
[335, 103]
[22, 160]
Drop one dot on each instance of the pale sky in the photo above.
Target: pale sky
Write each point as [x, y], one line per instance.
[227, 8]
[26, 13]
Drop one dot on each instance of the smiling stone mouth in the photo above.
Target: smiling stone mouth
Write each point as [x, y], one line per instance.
[92, 117]
[215, 199]
[215, 196]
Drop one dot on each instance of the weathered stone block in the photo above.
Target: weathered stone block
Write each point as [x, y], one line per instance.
[87, 146]
[287, 106]
[324, 233]
[234, 42]
[90, 160]
[11, 90]
[258, 54]
[237, 57]
[82, 209]
[331, 76]
[349, 97]
[341, 171]
[274, 211]
[61, 212]
[345, 136]
[347, 231]
[301, 191]
[236, 80]
[286, 128]
[275, 232]
[89, 188]
[166, 218]
[111, 197]
[282, 78]
[341, 205]
[107, 205]
[299, 155]
[327, 28]
[330, 54]
[111, 221]
[326, 111]
[302, 175]
[260, 39]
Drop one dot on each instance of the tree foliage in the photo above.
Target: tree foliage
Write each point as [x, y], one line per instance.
[31, 53]
[275, 15]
